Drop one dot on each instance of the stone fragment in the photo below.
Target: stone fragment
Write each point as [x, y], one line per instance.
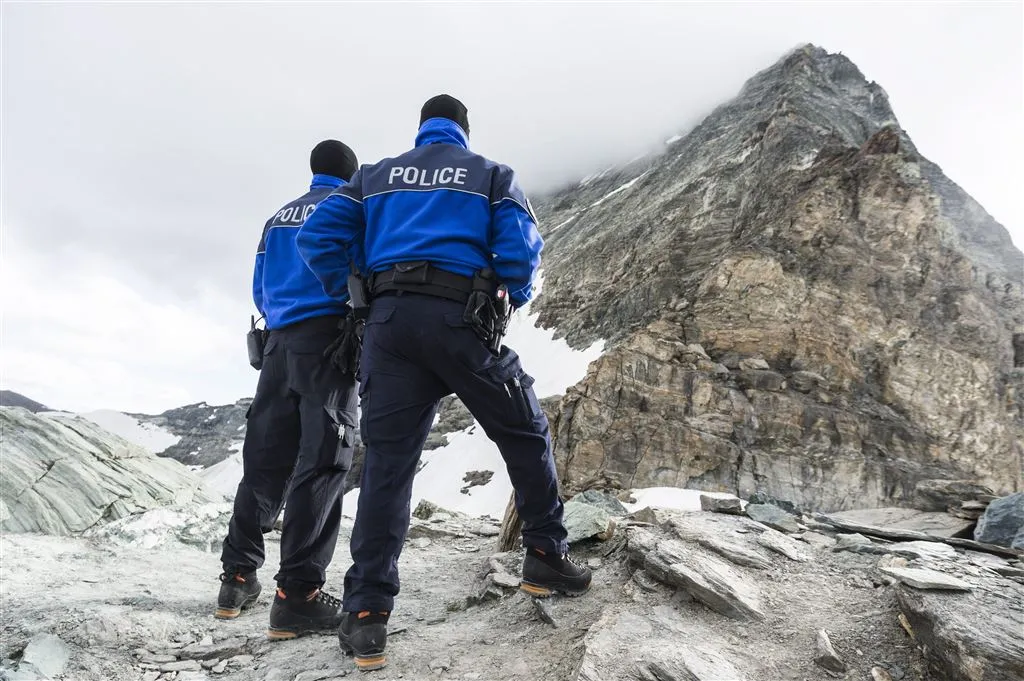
[847, 542]
[47, 653]
[827, 656]
[752, 363]
[602, 500]
[717, 587]
[425, 509]
[206, 640]
[544, 612]
[773, 517]
[806, 381]
[734, 552]
[1003, 522]
[181, 666]
[156, 658]
[730, 505]
[241, 660]
[922, 549]
[595, 563]
[921, 578]
[314, 675]
[227, 648]
[505, 580]
[818, 540]
[585, 521]
[784, 544]
[879, 674]
[151, 675]
[209, 664]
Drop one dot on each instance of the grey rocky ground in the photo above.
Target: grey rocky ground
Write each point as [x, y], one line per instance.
[677, 595]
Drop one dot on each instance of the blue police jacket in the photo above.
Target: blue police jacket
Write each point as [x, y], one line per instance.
[284, 289]
[438, 202]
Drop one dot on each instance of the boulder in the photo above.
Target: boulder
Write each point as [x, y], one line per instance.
[730, 505]
[64, 474]
[586, 521]
[968, 637]
[1003, 522]
[926, 579]
[602, 500]
[773, 517]
[939, 495]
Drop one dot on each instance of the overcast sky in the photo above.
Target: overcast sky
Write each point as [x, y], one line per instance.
[144, 145]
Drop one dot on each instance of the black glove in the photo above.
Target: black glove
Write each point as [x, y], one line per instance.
[343, 353]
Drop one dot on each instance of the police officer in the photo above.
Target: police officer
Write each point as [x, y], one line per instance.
[428, 222]
[301, 426]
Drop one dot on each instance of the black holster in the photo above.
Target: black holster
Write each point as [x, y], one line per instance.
[344, 352]
[255, 341]
[359, 295]
[488, 310]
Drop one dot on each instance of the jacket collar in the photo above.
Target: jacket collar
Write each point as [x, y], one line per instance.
[442, 131]
[321, 180]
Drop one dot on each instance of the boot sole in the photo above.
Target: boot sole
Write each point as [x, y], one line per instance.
[369, 664]
[231, 613]
[538, 591]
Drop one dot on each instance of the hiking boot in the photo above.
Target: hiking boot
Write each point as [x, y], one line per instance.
[545, 573]
[296, 613]
[238, 591]
[364, 635]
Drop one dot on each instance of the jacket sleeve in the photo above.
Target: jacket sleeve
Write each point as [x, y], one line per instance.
[515, 242]
[257, 273]
[333, 235]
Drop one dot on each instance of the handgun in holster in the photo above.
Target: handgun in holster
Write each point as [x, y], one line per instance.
[487, 309]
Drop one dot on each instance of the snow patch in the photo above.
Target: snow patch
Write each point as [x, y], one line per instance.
[225, 476]
[563, 224]
[151, 438]
[617, 190]
[670, 497]
[673, 139]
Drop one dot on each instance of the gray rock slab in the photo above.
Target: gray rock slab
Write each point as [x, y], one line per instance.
[735, 553]
[772, 516]
[936, 524]
[730, 505]
[968, 636]
[921, 578]
[718, 587]
[827, 657]
[47, 653]
[784, 544]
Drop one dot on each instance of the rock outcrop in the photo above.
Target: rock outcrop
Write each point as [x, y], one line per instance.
[796, 302]
[9, 398]
[209, 433]
[63, 474]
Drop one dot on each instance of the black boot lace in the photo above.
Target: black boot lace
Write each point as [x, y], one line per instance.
[328, 600]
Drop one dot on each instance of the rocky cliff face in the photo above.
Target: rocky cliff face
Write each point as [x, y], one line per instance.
[63, 474]
[209, 434]
[797, 303]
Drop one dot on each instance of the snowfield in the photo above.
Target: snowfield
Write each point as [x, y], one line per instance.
[146, 435]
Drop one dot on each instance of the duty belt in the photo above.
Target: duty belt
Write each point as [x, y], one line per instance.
[422, 277]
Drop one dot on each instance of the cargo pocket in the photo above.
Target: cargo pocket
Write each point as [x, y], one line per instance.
[517, 385]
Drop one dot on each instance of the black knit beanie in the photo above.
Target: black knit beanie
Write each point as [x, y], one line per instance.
[446, 106]
[331, 157]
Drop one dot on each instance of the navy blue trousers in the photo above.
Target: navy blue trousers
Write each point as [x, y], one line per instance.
[294, 452]
[416, 350]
